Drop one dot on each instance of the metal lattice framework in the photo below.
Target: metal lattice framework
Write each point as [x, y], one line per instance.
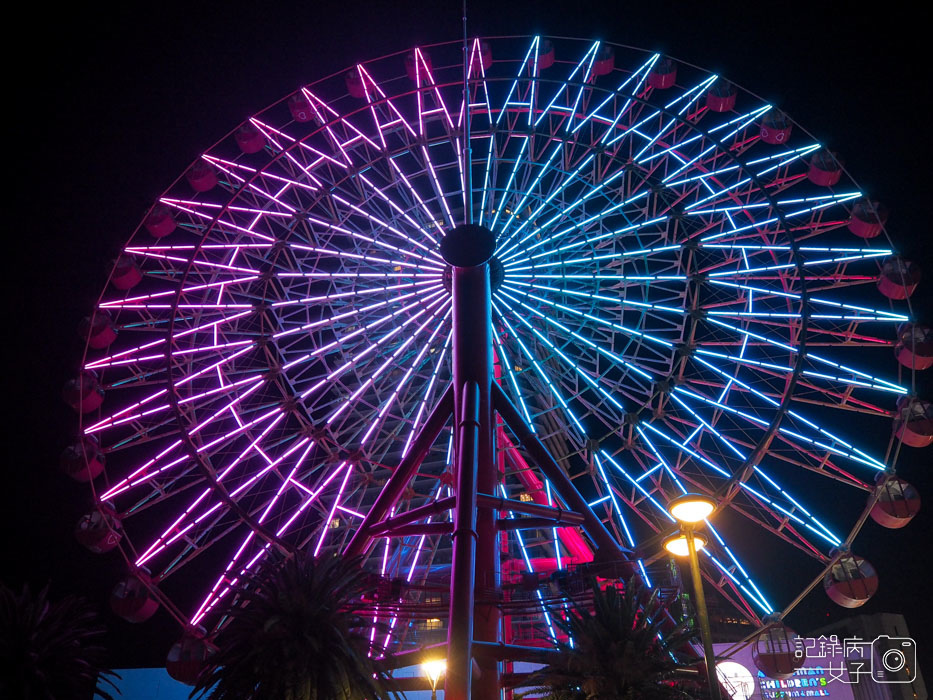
[675, 308]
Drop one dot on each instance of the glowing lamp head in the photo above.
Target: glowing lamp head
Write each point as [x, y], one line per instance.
[434, 669]
[691, 508]
[677, 544]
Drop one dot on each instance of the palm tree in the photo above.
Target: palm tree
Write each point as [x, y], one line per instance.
[296, 637]
[621, 649]
[50, 650]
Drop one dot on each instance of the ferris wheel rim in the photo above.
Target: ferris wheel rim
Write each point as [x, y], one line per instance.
[773, 429]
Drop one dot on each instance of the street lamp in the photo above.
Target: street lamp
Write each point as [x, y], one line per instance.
[689, 510]
[434, 669]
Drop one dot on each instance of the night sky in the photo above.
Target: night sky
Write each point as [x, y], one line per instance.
[108, 107]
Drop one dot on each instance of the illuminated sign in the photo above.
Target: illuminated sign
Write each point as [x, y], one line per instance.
[817, 678]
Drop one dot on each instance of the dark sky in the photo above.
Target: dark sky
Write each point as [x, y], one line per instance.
[109, 106]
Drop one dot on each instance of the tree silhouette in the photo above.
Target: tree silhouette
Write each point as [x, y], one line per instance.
[51, 650]
[297, 637]
[623, 647]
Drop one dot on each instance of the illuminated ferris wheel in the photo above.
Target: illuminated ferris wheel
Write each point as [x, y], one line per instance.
[687, 294]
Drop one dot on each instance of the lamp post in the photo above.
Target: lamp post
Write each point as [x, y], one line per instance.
[434, 669]
[689, 510]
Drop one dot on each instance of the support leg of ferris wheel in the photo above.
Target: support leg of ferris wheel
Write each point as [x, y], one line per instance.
[468, 249]
[472, 400]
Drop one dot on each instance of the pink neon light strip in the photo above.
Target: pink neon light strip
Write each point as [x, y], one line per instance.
[354, 312]
[366, 258]
[175, 336]
[171, 292]
[203, 263]
[390, 361]
[212, 598]
[404, 380]
[109, 421]
[352, 293]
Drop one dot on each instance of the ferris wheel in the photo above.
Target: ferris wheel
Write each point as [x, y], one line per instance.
[688, 294]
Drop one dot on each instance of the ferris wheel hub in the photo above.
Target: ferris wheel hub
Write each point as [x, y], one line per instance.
[468, 245]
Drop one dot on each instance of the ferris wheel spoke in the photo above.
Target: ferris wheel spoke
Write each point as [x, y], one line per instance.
[117, 304]
[809, 355]
[430, 102]
[575, 227]
[529, 567]
[550, 320]
[758, 227]
[578, 77]
[372, 347]
[563, 184]
[684, 102]
[355, 292]
[228, 580]
[601, 298]
[628, 539]
[428, 393]
[609, 396]
[847, 450]
[121, 416]
[175, 531]
[700, 161]
[748, 588]
[380, 416]
[345, 143]
[145, 471]
[688, 97]
[525, 84]
[211, 211]
[738, 169]
[542, 375]
[431, 286]
[392, 360]
[619, 255]
[426, 264]
[729, 192]
[771, 368]
[206, 349]
[202, 266]
[611, 121]
[526, 192]
[790, 509]
[517, 162]
[585, 238]
[233, 170]
[477, 71]
[810, 521]
[342, 209]
[503, 361]
[388, 123]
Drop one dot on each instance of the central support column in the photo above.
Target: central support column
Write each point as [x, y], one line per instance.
[475, 567]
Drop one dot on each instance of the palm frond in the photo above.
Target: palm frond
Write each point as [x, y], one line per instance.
[51, 649]
[623, 648]
[296, 636]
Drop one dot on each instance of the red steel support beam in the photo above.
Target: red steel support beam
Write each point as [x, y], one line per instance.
[406, 469]
[556, 515]
[410, 516]
[413, 529]
[525, 523]
[608, 548]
